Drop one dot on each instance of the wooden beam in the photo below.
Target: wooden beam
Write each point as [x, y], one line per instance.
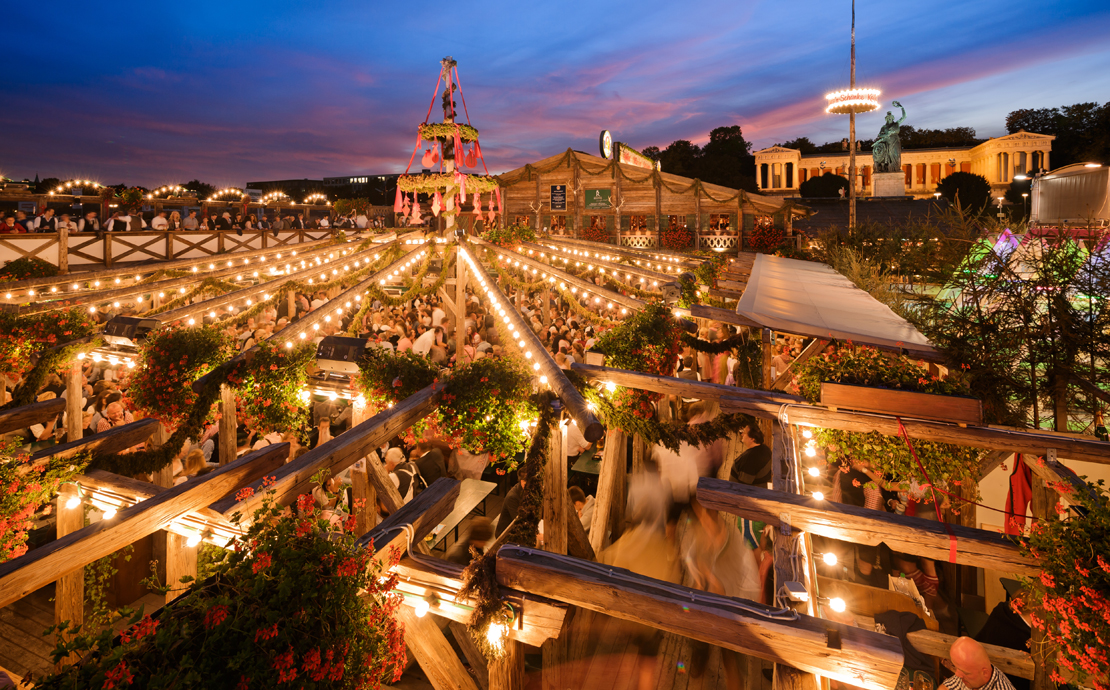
[366, 517]
[21, 576]
[38, 412]
[1052, 471]
[108, 442]
[75, 395]
[540, 619]
[991, 461]
[479, 667]
[420, 515]
[229, 443]
[544, 361]
[611, 472]
[701, 311]
[858, 525]
[866, 659]
[991, 438]
[295, 478]
[181, 561]
[69, 592]
[549, 247]
[434, 653]
[1010, 661]
[814, 348]
[507, 673]
[578, 544]
[686, 388]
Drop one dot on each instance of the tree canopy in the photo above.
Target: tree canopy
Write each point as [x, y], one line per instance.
[972, 191]
[1082, 131]
[726, 159]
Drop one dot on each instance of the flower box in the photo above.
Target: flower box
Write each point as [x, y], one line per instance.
[945, 408]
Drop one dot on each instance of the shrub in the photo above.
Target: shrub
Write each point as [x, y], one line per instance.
[825, 186]
[27, 267]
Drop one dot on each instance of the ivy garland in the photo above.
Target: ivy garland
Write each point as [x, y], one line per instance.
[888, 455]
[268, 388]
[647, 341]
[208, 286]
[49, 362]
[714, 348]
[437, 182]
[435, 131]
[417, 289]
[27, 486]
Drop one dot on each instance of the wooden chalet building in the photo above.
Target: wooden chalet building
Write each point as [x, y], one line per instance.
[580, 195]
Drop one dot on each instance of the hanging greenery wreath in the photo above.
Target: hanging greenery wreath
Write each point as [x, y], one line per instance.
[487, 407]
[22, 335]
[268, 388]
[28, 485]
[169, 361]
[434, 131]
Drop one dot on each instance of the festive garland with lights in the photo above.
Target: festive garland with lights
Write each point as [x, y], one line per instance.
[435, 131]
[417, 289]
[268, 388]
[431, 183]
[27, 486]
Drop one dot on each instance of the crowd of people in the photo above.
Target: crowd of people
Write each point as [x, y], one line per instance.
[14, 222]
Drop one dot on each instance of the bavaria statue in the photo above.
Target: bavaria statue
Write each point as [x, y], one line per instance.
[887, 149]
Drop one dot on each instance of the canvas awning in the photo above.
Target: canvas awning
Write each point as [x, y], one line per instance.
[811, 299]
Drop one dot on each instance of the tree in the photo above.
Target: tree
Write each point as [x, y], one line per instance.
[727, 159]
[47, 185]
[1082, 130]
[971, 191]
[652, 152]
[825, 186]
[937, 138]
[203, 190]
[681, 158]
[802, 144]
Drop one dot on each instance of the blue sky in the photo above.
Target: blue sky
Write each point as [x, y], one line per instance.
[152, 93]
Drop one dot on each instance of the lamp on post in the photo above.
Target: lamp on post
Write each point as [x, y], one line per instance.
[852, 101]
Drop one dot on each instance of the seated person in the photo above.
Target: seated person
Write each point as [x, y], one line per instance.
[477, 536]
[753, 467]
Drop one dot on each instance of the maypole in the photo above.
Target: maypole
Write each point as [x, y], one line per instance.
[454, 146]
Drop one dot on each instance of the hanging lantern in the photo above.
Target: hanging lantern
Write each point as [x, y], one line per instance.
[428, 160]
[399, 203]
[471, 157]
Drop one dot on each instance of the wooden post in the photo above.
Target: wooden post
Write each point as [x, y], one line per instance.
[608, 490]
[1042, 507]
[74, 409]
[69, 595]
[460, 308]
[365, 517]
[181, 561]
[229, 443]
[787, 566]
[639, 450]
[507, 673]
[108, 247]
[63, 251]
[767, 340]
[555, 494]
[546, 308]
[474, 656]
[291, 303]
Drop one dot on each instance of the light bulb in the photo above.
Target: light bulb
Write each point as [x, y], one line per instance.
[73, 502]
[109, 513]
[814, 472]
[837, 605]
[818, 495]
[811, 452]
[193, 540]
[806, 433]
[421, 608]
[829, 559]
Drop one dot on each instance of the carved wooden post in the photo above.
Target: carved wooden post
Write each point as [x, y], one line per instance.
[229, 443]
[69, 595]
[74, 409]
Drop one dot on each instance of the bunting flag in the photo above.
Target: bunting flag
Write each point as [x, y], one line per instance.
[398, 204]
[478, 206]
[437, 204]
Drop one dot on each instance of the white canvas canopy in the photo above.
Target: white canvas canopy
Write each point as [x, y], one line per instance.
[811, 299]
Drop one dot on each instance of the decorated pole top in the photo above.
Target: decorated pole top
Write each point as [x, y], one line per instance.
[453, 147]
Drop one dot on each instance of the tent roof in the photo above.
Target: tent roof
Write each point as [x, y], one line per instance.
[811, 299]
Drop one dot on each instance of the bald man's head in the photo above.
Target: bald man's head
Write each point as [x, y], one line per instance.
[971, 663]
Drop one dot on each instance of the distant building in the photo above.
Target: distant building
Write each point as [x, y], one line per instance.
[780, 171]
[380, 189]
[296, 190]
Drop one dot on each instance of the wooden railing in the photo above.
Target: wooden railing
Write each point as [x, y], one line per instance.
[93, 250]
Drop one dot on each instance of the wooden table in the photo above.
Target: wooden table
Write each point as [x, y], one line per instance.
[472, 493]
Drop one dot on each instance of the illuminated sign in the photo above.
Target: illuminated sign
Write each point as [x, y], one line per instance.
[558, 197]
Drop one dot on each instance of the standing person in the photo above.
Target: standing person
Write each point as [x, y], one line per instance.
[753, 467]
[28, 224]
[65, 223]
[120, 222]
[8, 226]
[224, 221]
[159, 221]
[175, 221]
[89, 223]
[511, 506]
[325, 223]
[263, 223]
[46, 222]
[190, 222]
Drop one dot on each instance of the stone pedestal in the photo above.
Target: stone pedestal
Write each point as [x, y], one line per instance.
[888, 184]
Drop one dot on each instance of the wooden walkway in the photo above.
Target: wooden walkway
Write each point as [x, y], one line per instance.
[23, 648]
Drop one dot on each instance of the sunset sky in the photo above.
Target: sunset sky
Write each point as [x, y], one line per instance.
[153, 93]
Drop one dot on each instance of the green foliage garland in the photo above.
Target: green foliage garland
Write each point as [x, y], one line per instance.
[416, 289]
[27, 267]
[888, 455]
[296, 604]
[50, 362]
[27, 486]
[268, 388]
[432, 131]
[1070, 601]
[386, 377]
